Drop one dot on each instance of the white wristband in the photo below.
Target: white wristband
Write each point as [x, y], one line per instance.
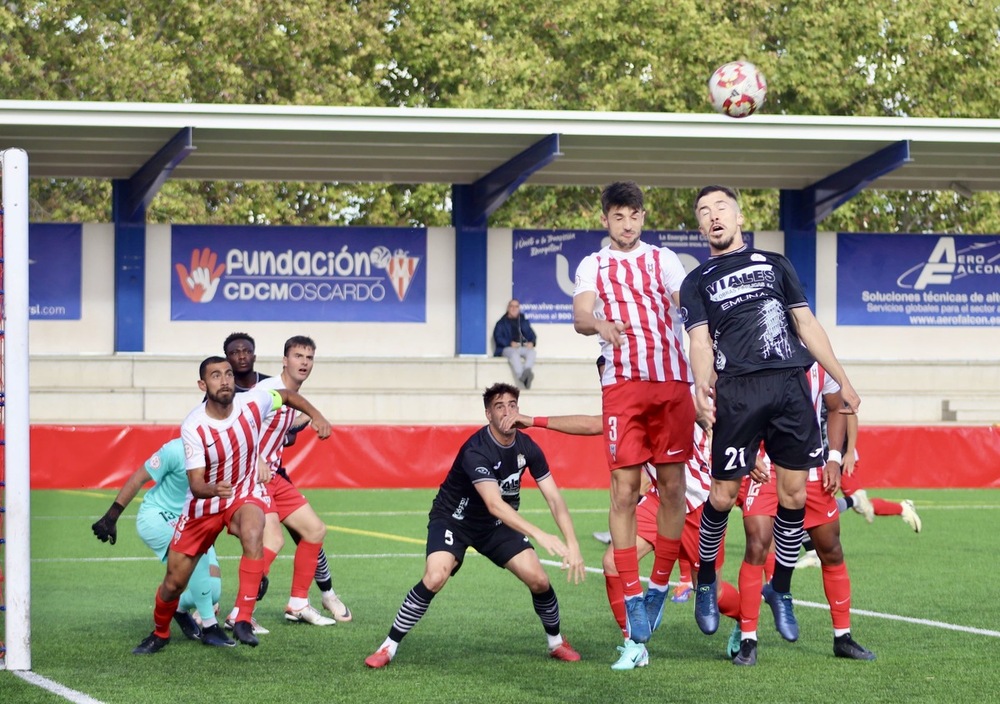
[835, 456]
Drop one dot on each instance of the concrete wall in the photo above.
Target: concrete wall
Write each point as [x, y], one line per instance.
[409, 373]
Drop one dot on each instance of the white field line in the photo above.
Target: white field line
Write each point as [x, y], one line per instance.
[532, 511]
[59, 690]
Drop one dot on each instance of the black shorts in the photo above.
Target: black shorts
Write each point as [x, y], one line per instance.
[498, 542]
[775, 407]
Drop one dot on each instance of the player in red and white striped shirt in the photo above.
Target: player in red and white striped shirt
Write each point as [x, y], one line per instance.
[288, 506]
[629, 295]
[221, 439]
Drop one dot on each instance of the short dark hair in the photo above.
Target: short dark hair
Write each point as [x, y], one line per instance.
[299, 341]
[214, 359]
[625, 194]
[499, 389]
[715, 189]
[237, 336]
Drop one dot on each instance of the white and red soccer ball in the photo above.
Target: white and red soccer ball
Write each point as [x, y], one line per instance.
[737, 89]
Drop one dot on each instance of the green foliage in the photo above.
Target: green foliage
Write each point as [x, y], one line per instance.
[920, 58]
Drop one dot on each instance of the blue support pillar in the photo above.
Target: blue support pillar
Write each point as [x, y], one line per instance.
[129, 200]
[470, 272]
[794, 218]
[801, 211]
[471, 207]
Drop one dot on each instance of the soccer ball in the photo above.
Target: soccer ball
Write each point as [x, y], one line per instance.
[737, 89]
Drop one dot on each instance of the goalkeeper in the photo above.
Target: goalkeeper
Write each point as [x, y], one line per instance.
[155, 522]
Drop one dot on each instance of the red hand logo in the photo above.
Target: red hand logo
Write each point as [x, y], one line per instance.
[201, 283]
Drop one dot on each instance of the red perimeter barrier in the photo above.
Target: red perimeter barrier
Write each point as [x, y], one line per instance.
[413, 457]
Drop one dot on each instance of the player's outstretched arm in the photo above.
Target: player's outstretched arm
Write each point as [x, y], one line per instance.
[490, 493]
[106, 527]
[571, 425]
[573, 561]
[295, 400]
[815, 339]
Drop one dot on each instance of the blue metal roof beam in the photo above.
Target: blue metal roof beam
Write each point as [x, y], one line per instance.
[129, 200]
[801, 210]
[838, 188]
[471, 207]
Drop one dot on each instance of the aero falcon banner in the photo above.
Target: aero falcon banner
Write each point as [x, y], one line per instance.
[918, 280]
[55, 271]
[545, 263]
[346, 274]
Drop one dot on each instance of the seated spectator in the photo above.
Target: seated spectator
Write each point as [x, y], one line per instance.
[515, 340]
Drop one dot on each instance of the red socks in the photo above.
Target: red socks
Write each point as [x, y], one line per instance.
[751, 580]
[163, 611]
[304, 567]
[251, 572]
[627, 564]
[837, 586]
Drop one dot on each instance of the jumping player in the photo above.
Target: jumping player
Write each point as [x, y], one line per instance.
[628, 295]
[752, 335]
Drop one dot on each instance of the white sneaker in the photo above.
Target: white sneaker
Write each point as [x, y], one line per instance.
[604, 537]
[339, 610]
[307, 614]
[809, 559]
[633, 655]
[258, 630]
[910, 516]
[862, 505]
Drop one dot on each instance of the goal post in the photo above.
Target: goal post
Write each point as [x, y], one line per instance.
[15, 521]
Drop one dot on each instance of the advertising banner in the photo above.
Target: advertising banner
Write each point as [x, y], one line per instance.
[918, 280]
[55, 269]
[346, 274]
[545, 263]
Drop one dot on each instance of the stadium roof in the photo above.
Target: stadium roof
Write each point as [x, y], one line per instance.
[402, 145]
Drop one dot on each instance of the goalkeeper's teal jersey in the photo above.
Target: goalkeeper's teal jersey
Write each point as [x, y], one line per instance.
[166, 467]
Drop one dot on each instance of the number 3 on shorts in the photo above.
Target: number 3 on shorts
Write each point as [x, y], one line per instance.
[612, 428]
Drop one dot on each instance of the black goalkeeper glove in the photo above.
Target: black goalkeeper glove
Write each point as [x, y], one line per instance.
[106, 528]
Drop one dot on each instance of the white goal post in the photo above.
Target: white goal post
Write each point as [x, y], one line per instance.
[16, 550]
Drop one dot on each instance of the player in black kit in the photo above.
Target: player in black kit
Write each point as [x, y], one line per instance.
[476, 506]
[752, 335]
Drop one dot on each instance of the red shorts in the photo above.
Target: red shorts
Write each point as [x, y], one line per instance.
[762, 500]
[821, 506]
[645, 516]
[194, 536]
[285, 498]
[648, 421]
[758, 499]
[850, 484]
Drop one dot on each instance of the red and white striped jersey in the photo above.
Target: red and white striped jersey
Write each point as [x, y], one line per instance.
[272, 440]
[698, 472]
[227, 449]
[636, 288]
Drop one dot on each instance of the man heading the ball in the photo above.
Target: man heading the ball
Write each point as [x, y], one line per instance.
[752, 336]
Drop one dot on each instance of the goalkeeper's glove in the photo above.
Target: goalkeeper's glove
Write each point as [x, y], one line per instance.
[106, 528]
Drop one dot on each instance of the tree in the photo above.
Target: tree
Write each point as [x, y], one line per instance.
[920, 58]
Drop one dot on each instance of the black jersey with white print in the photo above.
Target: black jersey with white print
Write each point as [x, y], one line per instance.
[483, 459]
[745, 297]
